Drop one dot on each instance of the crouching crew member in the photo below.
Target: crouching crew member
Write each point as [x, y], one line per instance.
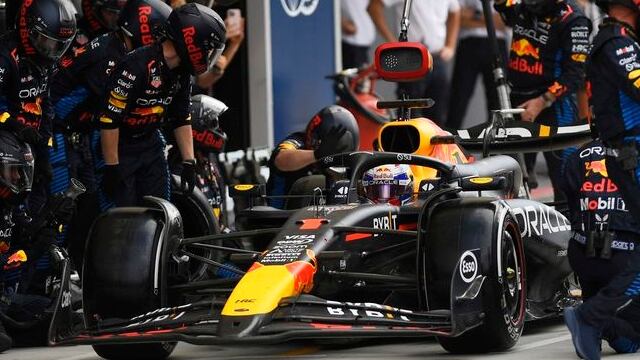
[333, 130]
[605, 237]
[149, 87]
[613, 72]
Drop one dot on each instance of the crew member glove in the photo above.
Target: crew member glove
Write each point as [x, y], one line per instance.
[188, 176]
[110, 180]
[332, 143]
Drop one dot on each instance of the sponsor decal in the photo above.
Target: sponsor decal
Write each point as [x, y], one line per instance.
[523, 47]
[343, 190]
[154, 101]
[288, 249]
[427, 187]
[579, 57]
[468, 266]
[597, 150]
[33, 108]
[295, 8]
[243, 187]
[128, 75]
[596, 167]
[32, 92]
[156, 82]
[601, 221]
[195, 53]
[335, 308]
[329, 209]
[385, 222]
[635, 75]
[603, 186]
[6, 233]
[538, 34]
[540, 220]
[145, 29]
[175, 314]
[607, 203]
[624, 50]
[481, 180]
[522, 65]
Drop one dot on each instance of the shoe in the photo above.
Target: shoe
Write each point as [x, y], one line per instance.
[5, 340]
[586, 338]
[623, 345]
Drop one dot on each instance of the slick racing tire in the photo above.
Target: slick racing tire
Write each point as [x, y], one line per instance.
[504, 298]
[119, 277]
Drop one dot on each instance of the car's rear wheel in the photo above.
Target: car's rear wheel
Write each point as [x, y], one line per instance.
[504, 298]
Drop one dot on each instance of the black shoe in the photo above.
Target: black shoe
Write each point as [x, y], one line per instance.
[5, 340]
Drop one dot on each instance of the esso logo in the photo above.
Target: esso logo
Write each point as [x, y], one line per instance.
[294, 8]
[468, 266]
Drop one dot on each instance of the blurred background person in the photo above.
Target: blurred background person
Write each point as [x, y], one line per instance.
[358, 33]
[434, 23]
[472, 60]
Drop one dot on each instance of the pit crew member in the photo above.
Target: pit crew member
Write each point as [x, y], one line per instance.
[612, 72]
[605, 236]
[546, 66]
[332, 130]
[149, 87]
[45, 29]
[99, 17]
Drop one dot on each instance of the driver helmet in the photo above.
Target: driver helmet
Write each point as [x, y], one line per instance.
[46, 28]
[207, 135]
[198, 34]
[141, 18]
[631, 4]
[390, 184]
[16, 168]
[327, 118]
[103, 14]
[539, 7]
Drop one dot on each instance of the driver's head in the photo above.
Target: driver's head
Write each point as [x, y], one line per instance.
[391, 184]
[327, 118]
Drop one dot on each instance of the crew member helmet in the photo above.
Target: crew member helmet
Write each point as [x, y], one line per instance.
[199, 36]
[205, 113]
[46, 28]
[16, 168]
[325, 120]
[140, 19]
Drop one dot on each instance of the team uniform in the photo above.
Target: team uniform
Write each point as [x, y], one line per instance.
[143, 94]
[613, 71]
[280, 182]
[605, 238]
[547, 54]
[24, 94]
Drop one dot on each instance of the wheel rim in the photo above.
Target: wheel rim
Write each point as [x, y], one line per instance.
[512, 276]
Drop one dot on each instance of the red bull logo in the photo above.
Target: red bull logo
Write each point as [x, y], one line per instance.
[523, 47]
[33, 108]
[596, 167]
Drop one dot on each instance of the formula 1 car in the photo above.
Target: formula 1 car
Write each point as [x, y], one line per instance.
[469, 261]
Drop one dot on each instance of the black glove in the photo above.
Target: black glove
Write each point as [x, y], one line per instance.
[64, 213]
[188, 176]
[331, 143]
[110, 180]
[30, 135]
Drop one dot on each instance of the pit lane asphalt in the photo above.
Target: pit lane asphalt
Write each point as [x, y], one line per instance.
[548, 339]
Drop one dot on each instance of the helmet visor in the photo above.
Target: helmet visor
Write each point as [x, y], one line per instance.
[49, 47]
[213, 56]
[110, 17]
[16, 176]
[385, 191]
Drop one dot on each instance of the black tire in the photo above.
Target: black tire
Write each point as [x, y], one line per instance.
[505, 302]
[114, 286]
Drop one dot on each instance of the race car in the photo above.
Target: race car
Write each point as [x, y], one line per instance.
[469, 261]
